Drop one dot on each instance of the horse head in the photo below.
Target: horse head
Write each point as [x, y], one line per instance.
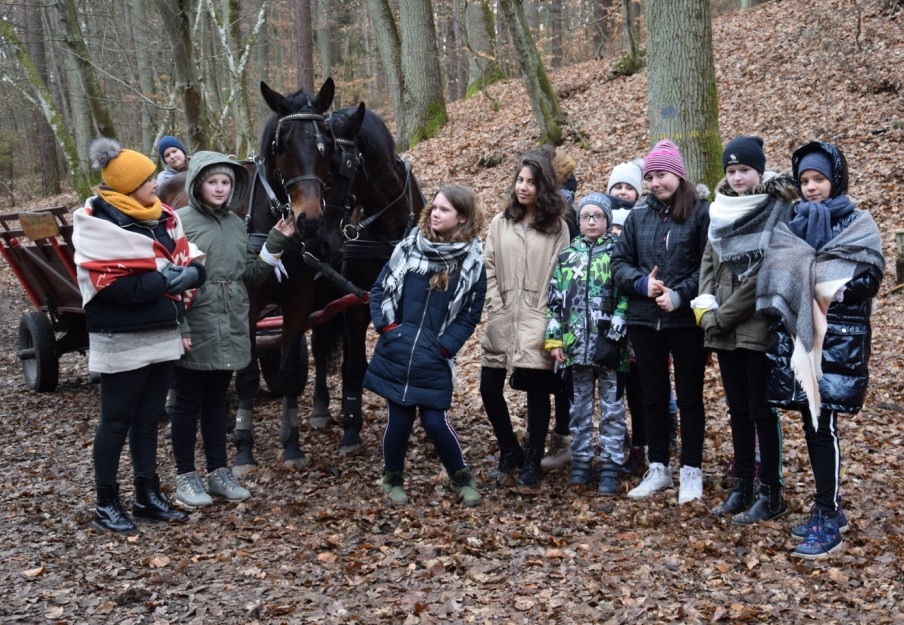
[296, 147]
[346, 164]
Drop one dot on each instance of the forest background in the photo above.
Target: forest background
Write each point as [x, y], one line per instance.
[320, 545]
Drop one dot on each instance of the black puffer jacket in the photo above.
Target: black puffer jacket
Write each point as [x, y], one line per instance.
[651, 238]
[846, 349]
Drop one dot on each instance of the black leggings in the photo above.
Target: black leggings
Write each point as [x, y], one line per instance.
[131, 404]
[652, 349]
[200, 395]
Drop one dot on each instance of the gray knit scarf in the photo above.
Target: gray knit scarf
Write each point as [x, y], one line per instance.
[417, 254]
[740, 229]
[797, 283]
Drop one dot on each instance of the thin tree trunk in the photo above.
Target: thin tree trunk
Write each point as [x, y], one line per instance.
[630, 17]
[44, 139]
[683, 104]
[542, 96]
[480, 38]
[304, 45]
[389, 44]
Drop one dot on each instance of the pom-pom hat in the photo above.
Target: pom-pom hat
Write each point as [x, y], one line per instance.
[122, 170]
[665, 156]
[744, 151]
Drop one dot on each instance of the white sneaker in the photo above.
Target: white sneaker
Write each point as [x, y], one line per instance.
[657, 477]
[690, 485]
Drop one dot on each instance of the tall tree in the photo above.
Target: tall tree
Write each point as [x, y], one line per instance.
[480, 37]
[683, 104]
[74, 40]
[631, 62]
[176, 15]
[542, 96]
[46, 142]
[304, 44]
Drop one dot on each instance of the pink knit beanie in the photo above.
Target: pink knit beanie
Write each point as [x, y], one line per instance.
[665, 156]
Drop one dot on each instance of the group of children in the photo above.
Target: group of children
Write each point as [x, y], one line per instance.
[667, 277]
[646, 286]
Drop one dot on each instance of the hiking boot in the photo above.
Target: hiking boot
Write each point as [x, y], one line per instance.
[223, 484]
[109, 513]
[610, 479]
[190, 490]
[739, 499]
[769, 506]
[800, 532]
[532, 471]
[822, 539]
[509, 460]
[581, 474]
[466, 486]
[690, 484]
[636, 462]
[153, 505]
[392, 488]
[657, 477]
[559, 452]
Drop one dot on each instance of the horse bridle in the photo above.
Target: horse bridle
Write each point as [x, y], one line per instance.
[278, 208]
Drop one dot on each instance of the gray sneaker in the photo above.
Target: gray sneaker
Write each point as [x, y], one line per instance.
[190, 490]
[221, 483]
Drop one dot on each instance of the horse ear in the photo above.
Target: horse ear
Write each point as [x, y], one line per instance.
[324, 99]
[354, 123]
[276, 101]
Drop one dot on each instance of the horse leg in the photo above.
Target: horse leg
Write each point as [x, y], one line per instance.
[293, 366]
[247, 381]
[353, 368]
[322, 348]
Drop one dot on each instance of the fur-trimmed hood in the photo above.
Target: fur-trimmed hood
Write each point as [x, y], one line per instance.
[778, 185]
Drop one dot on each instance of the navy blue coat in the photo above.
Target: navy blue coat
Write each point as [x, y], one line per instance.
[411, 362]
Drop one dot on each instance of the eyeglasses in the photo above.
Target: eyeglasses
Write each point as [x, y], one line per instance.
[596, 217]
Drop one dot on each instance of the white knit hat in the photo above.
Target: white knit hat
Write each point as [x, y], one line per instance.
[629, 173]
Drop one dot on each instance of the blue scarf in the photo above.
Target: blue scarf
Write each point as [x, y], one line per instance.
[812, 221]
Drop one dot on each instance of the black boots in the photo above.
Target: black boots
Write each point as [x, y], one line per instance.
[109, 515]
[769, 506]
[152, 505]
[509, 460]
[739, 499]
[532, 472]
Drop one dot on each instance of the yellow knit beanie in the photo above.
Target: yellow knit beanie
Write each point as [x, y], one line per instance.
[122, 170]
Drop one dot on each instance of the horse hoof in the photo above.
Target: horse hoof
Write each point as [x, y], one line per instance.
[318, 422]
[350, 442]
[241, 470]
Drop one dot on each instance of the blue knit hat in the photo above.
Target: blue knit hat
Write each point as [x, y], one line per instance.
[818, 161]
[170, 141]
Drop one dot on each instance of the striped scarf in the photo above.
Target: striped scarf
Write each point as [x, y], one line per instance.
[417, 254]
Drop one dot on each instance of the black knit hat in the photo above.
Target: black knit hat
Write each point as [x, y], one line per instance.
[744, 151]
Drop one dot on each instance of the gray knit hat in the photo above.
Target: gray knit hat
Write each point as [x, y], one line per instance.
[596, 199]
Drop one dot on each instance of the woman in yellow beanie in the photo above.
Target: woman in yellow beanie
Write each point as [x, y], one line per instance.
[137, 273]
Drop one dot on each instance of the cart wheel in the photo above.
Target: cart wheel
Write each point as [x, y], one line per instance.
[37, 351]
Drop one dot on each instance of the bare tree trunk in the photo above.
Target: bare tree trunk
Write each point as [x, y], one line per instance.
[556, 58]
[136, 13]
[176, 14]
[542, 96]
[389, 44]
[46, 142]
[75, 42]
[423, 104]
[480, 38]
[632, 62]
[683, 104]
[304, 44]
[39, 95]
